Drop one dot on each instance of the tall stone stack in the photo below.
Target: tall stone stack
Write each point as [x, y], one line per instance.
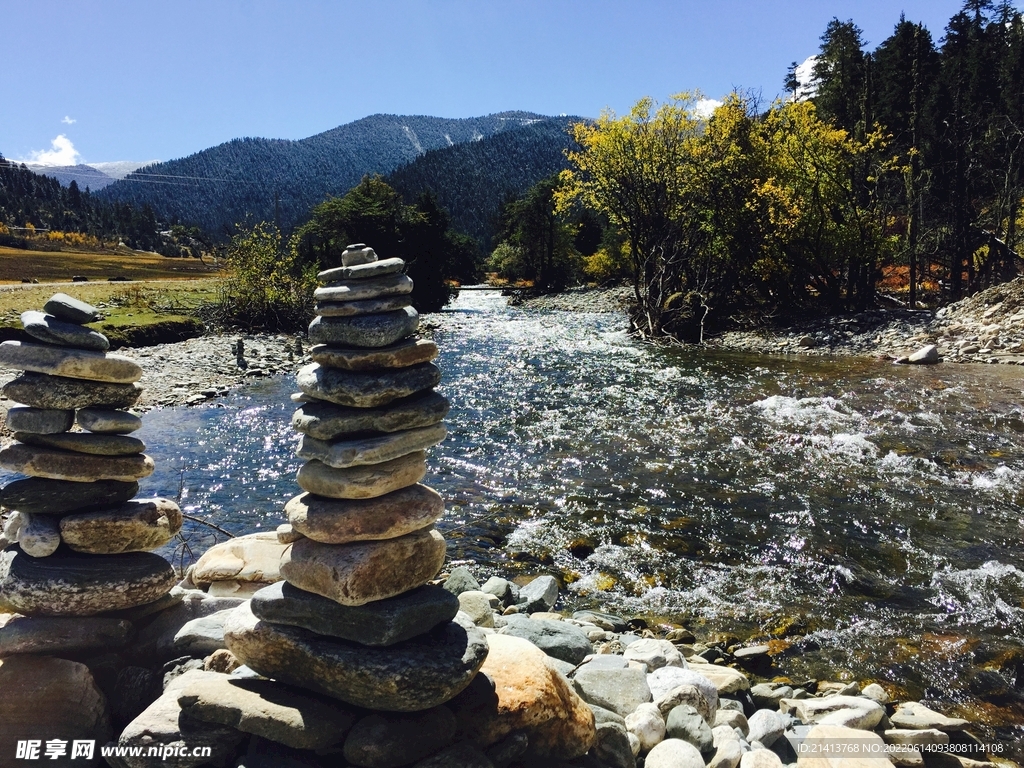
[77, 542]
[354, 617]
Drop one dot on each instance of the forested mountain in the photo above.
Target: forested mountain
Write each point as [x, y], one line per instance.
[473, 180]
[28, 200]
[85, 176]
[274, 179]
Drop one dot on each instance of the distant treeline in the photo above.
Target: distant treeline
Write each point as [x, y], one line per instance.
[28, 200]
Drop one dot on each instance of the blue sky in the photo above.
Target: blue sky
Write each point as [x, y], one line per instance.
[141, 80]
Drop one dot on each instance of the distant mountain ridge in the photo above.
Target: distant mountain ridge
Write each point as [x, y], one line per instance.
[83, 175]
[279, 179]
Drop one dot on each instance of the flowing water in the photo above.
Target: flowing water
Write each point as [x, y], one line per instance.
[868, 516]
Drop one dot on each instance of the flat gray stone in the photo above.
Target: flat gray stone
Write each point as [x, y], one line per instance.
[339, 521]
[356, 254]
[379, 623]
[66, 361]
[556, 638]
[663, 681]
[541, 594]
[361, 290]
[139, 525]
[619, 690]
[162, 724]
[380, 329]
[39, 421]
[85, 442]
[52, 330]
[77, 467]
[400, 355]
[38, 495]
[155, 642]
[362, 482]
[686, 723]
[411, 676]
[39, 535]
[108, 422]
[329, 421]
[461, 580]
[366, 389]
[69, 584]
[41, 390]
[366, 307]
[362, 271]
[369, 450]
[911, 715]
[267, 709]
[70, 309]
[54, 635]
[393, 739]
[202, 636]
[364, 571]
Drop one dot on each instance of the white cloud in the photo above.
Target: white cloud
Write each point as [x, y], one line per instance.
[61, 152]
[68, 120]
[705, 107]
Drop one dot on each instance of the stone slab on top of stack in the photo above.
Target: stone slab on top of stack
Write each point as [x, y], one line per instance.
[355, 618]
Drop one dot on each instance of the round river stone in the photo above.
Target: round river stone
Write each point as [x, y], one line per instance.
[339, 521]
[70, 584]
[52, 330]
[108, 422]
[366, 389]
[77, 467]
[382, 622]
[362, 482]
[364, 571]
[404, 353]
[380, 329]
[327, 421]
[41, 390]
[38, 495]
[414, 675]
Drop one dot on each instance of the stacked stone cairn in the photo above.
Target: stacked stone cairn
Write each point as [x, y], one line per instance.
[76, 542]
[354, 618]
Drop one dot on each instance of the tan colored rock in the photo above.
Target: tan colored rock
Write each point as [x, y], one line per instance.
[85, 442]
[726, 679]
[400, 355]
[369, 450]
[339, 521]
[847, 711]
[366, 481]
[255, 558]
[49, 698]
[833, 746]
[139, 525]
[528, 695]
[77, 467]
[361, 572]
[72, 363]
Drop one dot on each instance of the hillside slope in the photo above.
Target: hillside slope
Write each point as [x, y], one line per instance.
[264, 179]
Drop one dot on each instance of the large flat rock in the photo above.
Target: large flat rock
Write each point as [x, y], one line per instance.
[267, 709]
[360, 290]
[46, 698]
[255, 557]
[380, 329]
[361, 572]
[366, 389]
[38, 495]
[139, 525]
[362, 482]
[52, 330]
[353, 308]
[414, 675]
[362, 271]
[40, 390]
[73, 363]
[85, 442]
[76, 467]
[339, 521]
[70, 584]
[58, 635]
[400, 355]
[329, 421]
[382, 622]
[369, 450]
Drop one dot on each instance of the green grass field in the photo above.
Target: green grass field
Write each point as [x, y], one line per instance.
[60, 266]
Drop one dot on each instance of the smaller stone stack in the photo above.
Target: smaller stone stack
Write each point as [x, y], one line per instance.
[77, 542]
[355, 618]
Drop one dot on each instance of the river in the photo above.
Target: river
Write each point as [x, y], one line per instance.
[868, 516]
